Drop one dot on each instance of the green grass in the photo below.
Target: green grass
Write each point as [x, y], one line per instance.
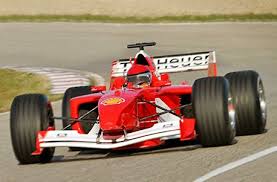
[14, 83]
[133, 19]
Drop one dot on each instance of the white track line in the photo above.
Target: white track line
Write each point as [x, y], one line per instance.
[237, 163]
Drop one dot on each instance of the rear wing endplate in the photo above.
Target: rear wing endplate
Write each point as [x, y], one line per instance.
[173, 63]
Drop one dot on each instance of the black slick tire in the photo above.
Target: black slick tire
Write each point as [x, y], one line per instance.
[212, 106]
[249, 101]
[69, 94]
[29, 114]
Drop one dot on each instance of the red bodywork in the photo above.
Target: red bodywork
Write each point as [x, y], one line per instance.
[124, 109]
[121, 109]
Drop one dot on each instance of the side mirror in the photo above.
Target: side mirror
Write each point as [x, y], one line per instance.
[98, 88]
[164, 77]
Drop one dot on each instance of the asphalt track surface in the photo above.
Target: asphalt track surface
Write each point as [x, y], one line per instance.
[91, 47]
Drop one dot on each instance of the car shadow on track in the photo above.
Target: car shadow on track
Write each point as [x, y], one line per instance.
[92, 154]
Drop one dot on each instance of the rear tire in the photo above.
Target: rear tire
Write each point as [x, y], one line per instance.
[69, 94]
[249, 101]
[212, 106]
[29, 114]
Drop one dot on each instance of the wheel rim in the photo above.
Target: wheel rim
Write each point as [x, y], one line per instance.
[262, 101]
[231, 112]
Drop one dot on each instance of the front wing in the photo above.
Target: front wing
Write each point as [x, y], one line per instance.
[180, 128]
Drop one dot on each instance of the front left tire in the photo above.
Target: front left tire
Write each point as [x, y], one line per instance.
[29, 114]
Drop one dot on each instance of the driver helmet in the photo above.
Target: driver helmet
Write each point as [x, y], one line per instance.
[139, 76]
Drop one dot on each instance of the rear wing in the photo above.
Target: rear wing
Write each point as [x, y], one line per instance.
[173, 63]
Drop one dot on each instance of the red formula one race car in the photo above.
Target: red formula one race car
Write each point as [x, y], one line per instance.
[142, 109]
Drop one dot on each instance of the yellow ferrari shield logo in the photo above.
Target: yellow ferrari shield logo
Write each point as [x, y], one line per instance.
[113, 101]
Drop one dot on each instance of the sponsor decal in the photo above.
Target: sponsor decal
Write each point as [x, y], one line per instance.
[61, 135]
[181, 62]
[113, 101]
[167, 125]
